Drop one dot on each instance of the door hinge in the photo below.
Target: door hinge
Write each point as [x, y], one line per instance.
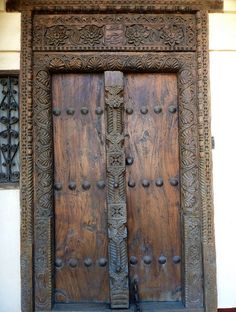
[213, 142]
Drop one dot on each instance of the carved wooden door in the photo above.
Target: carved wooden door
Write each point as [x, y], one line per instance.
[116, 198]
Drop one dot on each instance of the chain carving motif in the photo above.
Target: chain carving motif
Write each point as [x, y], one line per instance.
[117, 216]
[101, 32]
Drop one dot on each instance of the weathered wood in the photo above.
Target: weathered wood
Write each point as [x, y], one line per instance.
[153, 210]
[80, 201]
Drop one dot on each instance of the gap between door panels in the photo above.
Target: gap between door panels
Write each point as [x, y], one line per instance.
[146, 307]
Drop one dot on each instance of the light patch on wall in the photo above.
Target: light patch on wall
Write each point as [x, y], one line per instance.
[222, 73]
[230, 5]
[10, 31]
[10, 60]
[222, 28]
[2, 5]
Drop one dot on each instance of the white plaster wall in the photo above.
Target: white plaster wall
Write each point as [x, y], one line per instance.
[223, 85]
[9, 199]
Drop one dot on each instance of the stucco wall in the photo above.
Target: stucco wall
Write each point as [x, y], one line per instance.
[222, 70]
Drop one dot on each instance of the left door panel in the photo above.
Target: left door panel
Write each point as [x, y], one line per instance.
[81, 260]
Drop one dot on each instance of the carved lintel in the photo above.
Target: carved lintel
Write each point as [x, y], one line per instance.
[158, 32]
[117, 215]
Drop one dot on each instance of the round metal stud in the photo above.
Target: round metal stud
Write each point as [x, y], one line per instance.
[102, 262]
[73, 262]
[133, 260]
[86, 185]
[70, 111]
[116, 184]
[56, 112]
[72, 185]
[144, 110]
[145, 183]
[58, 263]
[129, 160]
[131, 183]
[172, 109]
[157, 109]
[147, 259]
[99, 111]
[159, 182]
[174, 182]
[129, 110]
[88, 262]
[176, 259]
[58, 186]
[84, 110]
[101, 184]
[162, 260]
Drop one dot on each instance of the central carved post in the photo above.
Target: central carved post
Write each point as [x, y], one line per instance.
[116, 197]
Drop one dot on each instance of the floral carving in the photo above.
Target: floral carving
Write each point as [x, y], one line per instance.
[89, 35]
[57, 35]
[137, 34]
[172, 35]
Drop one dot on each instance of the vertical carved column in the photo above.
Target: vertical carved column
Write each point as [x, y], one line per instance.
[26, 169]
[116, 197]
[205, 160]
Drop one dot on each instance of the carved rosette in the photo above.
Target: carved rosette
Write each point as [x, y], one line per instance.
[116, 199]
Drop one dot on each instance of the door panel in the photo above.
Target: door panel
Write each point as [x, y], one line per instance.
[153, 203]
[81, 270]
[152, 191]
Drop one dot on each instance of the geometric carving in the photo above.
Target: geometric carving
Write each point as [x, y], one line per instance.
[101, 32]
[116, 200]
[188, 124]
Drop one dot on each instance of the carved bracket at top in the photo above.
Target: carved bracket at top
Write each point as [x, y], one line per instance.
[120, 32]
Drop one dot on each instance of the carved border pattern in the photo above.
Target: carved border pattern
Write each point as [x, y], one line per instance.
[160, 32]
[26, 163]
[116, 199]
[120, 5]
[183, 64]
[205, 160]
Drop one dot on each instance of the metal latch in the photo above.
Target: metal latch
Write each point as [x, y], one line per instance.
[136, 295]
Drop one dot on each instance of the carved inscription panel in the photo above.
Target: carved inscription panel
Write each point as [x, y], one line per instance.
[119, 32]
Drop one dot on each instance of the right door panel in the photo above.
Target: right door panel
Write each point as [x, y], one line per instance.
[153, 196]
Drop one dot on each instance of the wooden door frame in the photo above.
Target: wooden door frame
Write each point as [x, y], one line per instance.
[190, 63]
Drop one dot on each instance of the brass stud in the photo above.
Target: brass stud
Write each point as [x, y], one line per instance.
[131, 183]
[174, 182]
[56, 111]
[162, 260]
[58, 186]
[102, 262]
[145, 183]
[99, 111]
[144, 110]
[133, 260]
[157, 109]
[147, 259]
[172, 109]
[159, 182]
[73, 262]
[129, 160]
[70, 111]
[101, 184]
[176, 259]
[84, 110]
[88, 262]
[72, 185]
[129, 110]
[116, 184]
[58, 263]
[86, 185]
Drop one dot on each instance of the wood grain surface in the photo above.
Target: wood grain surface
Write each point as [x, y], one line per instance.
[80, 215]
[153, 211]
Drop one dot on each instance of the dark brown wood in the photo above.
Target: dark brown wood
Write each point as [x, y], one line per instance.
[153, 211]
[61, 26]
[80, 205]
